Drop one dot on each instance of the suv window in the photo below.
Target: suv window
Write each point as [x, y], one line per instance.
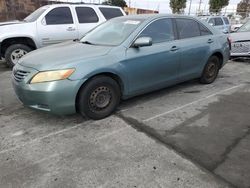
[160, 31]
[60, 15]
[204, 30]
[109, 13]
[211, 21]
[187, 28]
[86, 15]
[218, 21]
[226, 20]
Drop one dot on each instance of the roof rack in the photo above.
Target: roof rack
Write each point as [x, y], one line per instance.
[74, 3]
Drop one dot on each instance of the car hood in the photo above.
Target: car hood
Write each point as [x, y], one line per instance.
[240, 36]
[63, 55]
[10, 22]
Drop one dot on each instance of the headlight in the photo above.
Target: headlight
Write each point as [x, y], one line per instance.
[51, 76]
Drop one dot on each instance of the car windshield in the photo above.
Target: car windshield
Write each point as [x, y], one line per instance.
[245, 27]
[36, 14]
[112, 32]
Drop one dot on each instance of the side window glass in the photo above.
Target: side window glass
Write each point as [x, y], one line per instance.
[204, 30]
[60, 15]
[226, 20]
[159, 30]
[86, 15]
[211, 21]
[218, 21]
[187, 28]
[109, 13]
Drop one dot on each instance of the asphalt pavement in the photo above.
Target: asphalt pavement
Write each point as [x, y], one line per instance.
[188, 135]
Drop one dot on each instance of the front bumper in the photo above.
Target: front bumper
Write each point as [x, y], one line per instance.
[57, 97]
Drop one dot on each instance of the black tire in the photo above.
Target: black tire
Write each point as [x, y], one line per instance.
[99, 98]
[13, 48]
[210, 71]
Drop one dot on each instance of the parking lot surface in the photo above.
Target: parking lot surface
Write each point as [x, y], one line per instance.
[189, 135]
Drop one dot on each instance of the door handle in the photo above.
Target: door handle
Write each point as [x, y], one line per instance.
[174, 48]
[210, 41]
[71, 29]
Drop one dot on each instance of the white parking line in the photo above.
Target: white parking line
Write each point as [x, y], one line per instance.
[40, 138]
[191, 103]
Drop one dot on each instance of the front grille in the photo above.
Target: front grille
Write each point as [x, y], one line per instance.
[240, 47]
[19, 75]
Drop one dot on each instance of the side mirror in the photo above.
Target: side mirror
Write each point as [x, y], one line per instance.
[143, 41]
[225, 31]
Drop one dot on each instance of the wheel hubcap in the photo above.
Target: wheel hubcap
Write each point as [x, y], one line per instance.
[17, 54]
[211, 70]
[100, 98]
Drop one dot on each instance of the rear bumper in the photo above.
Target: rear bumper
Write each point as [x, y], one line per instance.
[240, 49]
[0, 51]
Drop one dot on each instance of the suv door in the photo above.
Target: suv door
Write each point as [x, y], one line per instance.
[155, 66]
[87, 19]
[57, 26]
[217, 23]
[195, 41]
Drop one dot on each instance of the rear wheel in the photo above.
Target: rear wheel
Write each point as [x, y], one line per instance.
[210, 71]
[15, 52]
[99, 97]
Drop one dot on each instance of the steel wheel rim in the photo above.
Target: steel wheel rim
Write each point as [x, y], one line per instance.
[211, 70]
[100, 98]
[17, 54]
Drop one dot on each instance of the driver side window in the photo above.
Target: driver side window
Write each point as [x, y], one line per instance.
[160, 31]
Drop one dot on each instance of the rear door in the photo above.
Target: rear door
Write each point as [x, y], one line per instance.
[217, 23]
[195, 41]
[87, 19]
[57, 26]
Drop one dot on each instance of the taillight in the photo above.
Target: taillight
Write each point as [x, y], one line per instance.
[229, 40]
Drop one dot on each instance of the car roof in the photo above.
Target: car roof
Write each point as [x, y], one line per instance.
[81, 4]
[154, 16]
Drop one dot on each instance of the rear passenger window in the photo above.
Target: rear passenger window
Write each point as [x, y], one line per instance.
[86, 15]
[60, 15]
[211, 21]
[204, 30]
[218, 21]
[226, 20]
[187, 28]
[159, 30]
[109, 13]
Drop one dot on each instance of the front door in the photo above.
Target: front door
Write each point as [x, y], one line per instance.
[57, 26]
[155, 66]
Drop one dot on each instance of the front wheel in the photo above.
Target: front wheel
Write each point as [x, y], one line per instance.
[210, 71]
[99, 97]
[14, 52]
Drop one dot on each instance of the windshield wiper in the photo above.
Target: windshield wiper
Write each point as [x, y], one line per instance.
[87, 42]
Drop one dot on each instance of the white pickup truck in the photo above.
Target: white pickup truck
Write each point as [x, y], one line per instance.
[51, 24]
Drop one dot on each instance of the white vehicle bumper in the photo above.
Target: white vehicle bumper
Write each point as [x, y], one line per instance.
[240, 48]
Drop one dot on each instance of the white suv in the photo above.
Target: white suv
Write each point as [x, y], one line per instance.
[51, 24]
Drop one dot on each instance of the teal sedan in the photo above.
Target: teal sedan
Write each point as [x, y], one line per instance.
[122, 58]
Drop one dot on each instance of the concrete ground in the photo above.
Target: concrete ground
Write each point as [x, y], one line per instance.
[189, 135]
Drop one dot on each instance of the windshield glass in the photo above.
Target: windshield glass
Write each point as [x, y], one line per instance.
[33, 16]
[245, 27]
[112, 33]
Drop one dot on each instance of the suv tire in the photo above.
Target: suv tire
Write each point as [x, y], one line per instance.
[14, 52]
